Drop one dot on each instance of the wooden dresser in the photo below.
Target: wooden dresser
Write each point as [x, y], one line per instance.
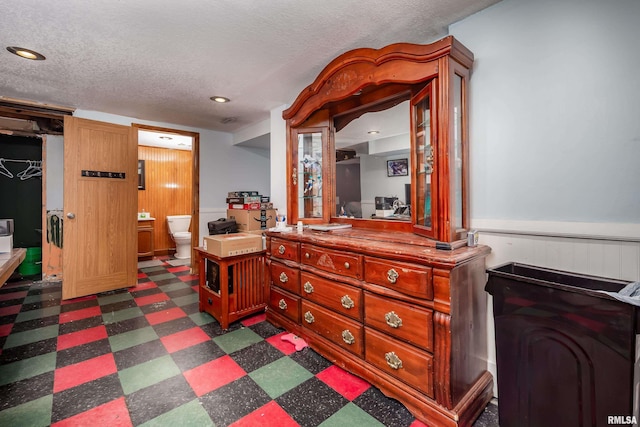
[385, 306]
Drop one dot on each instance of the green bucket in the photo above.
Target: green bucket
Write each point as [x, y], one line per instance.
[32, 263]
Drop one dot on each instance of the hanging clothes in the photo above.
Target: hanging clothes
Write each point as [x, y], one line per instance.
[54, 228]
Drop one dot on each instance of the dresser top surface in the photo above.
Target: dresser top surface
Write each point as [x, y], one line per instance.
[399, 245]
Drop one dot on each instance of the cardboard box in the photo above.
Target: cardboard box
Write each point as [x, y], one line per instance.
[245, 206]
[6, 244]
[253, 220]
[6, 227]
[259, 233]
[242, 193]
[224, 245]
[244, 200]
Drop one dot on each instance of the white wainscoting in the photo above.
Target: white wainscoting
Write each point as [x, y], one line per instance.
[605, 250]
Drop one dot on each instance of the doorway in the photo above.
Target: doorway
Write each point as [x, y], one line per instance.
[21, 196]
[165, 191]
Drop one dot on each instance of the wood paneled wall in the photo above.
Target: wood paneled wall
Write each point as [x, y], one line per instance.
[167, 190]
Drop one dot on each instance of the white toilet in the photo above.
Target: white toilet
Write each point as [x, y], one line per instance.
[179, 230]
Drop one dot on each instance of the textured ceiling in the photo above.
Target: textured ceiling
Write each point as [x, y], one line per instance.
[161, 60]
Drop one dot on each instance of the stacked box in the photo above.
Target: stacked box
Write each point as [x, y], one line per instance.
[6, 244]
[243, 200]
[225, 245]
[6, 236]
[248, 200]
[242, 193]
[6, 227]
[245, 206]
[253, 219]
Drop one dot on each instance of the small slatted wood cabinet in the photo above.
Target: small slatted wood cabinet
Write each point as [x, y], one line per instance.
[232, 287]
[407, 317]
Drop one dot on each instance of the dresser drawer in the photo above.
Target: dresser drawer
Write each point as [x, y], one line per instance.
[343, 263]
[286, 277]
[338, 297]
[340, 330]
[285, 304]
[284, 249]
[401, 360]
[409, 279]
[399, 319]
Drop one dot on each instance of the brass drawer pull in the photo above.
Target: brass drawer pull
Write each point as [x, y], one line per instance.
[346, 265]
[308, 317]
[348, 337]
[393, 360]
[283, 277]
[282, 304]
[347, 302]
[281, 249]
[308, 287]
[393, 319]
[392, 276]
[307, 255]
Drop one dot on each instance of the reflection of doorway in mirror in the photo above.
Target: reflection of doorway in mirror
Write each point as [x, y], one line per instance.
[391, 142]
[348, 195]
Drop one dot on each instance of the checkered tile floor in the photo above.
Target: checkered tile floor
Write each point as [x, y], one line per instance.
[147, 356]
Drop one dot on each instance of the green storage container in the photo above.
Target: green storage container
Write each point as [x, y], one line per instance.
[32, 263]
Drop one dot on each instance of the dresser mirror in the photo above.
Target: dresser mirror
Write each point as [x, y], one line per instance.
[411, 176]
[370, 180]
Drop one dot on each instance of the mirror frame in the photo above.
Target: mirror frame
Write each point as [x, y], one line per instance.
[364, 80]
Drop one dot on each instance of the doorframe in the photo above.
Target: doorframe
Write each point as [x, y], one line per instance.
[195, 182]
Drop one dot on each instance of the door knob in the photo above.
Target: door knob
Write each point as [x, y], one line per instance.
[71, 215]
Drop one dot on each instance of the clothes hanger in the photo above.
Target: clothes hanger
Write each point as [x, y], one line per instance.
[24, 171]
[4, 171]
[34, 169]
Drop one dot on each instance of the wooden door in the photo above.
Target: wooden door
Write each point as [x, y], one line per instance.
[100, 204]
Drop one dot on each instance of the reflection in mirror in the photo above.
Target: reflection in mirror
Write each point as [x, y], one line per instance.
[309, 175]
[371, 178]
[457, 150]
[425, 158]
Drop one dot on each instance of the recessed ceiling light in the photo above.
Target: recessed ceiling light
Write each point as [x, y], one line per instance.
[26, 53]
[220, 99]
[373, 132]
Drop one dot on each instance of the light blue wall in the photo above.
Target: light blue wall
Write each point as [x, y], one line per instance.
[555, 110]
[55, 173]
[225, 167]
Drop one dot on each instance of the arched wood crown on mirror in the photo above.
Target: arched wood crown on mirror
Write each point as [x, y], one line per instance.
[434, 78]
[405, 312]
